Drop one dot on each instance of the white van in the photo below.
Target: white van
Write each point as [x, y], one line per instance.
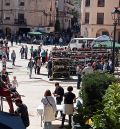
[78, 42]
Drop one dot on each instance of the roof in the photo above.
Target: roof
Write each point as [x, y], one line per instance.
[105, 44]
[84, 38]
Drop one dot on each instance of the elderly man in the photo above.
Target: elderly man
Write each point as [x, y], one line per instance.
[88, 69]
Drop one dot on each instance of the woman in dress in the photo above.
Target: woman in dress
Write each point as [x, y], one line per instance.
[49, 109]
[69, 99]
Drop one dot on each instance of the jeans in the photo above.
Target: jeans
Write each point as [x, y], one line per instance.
[38, 70]
[63, 119]
[47, 125]
[25, 55]
[78, 81]
[13, 61]
[30, 74]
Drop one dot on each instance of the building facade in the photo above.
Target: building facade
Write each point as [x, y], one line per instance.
[24, 15]
[96, 18]
[64, 10]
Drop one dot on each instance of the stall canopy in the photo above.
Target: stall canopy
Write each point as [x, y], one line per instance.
[106, 44]
[34, 33]
[103, 38]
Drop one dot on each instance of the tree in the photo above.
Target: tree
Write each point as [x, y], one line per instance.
[93, 89]
[109, 117]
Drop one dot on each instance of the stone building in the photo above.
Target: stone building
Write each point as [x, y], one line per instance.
[64, 10]
[96, 18]
[24, 15]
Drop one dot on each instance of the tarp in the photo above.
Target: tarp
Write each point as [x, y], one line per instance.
[106, 44]
[34, 33]
[103, 38]
[9, 121]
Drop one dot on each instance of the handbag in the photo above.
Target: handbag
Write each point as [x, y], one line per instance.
[50, 103]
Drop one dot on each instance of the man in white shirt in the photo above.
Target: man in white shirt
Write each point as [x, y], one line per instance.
[88, 69]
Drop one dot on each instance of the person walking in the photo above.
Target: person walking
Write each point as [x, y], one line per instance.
[58, 93]
[46, 58]
[49, 109]
[11, 39]
[30, 67]
[26, 52]
[31, 51]
[49, 67]
[78, 73]
[43, 55]
[13, 57]
[22, 51]
[38, 65]
[69, 99]
[22, 111]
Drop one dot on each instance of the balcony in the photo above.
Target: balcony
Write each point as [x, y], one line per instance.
[20, 22]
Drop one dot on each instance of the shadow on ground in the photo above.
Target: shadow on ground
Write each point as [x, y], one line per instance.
[64, 80]
[57, 127]
[44, 74]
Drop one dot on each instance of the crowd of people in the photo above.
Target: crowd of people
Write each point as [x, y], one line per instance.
[99, 65]
[8, 89]
[50, 109]
[37, 58]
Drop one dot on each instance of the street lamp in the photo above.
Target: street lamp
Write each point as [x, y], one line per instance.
[116, 18]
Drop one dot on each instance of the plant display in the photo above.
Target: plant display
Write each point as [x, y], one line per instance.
[109, 117]
[60, 68]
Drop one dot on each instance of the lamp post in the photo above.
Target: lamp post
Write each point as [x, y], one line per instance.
[116, 18]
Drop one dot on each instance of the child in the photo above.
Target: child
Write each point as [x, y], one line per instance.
[14, 84]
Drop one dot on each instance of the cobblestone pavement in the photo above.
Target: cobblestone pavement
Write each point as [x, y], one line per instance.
[33, 89]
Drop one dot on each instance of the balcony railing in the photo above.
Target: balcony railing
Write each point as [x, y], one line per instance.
[20, 22]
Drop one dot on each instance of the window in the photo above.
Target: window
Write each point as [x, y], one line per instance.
[105, 33]
[7, 2]
[87, 18]
[73, 41]
[21, 16]
[81, 41]
[100, 18]
[87, 3]
[101, 3]
[7, 18]
[22, 3]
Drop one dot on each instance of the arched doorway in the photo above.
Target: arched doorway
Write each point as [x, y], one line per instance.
[102, 32]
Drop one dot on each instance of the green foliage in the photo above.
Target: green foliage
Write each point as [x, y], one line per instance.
[93, 88]
[109, 118]
[57, 26]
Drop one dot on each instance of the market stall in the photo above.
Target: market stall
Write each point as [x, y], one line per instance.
[65, 61]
